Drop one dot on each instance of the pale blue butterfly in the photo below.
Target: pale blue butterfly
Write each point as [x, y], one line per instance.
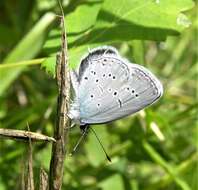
[108, 87]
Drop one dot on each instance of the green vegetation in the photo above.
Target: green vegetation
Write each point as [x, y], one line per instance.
[155, 149]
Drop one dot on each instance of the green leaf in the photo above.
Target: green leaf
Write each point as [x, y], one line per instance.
[83, 17]
[28, 48]
[132, 19]
[49, 65]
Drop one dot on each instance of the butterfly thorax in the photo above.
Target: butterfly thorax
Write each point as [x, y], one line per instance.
[74, 112]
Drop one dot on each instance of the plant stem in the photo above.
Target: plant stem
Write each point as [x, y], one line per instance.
[60, 134]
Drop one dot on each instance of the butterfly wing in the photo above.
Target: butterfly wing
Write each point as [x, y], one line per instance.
[78, 84]
[111, 88]
[140, 90]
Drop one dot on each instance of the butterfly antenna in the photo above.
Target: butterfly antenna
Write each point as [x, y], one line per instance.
[108, 157]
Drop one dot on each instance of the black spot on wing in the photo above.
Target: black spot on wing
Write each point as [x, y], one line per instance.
[120, 103]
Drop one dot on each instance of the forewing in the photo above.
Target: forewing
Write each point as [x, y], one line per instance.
[97, 84]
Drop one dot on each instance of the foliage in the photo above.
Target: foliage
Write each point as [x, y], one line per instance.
[153, 150]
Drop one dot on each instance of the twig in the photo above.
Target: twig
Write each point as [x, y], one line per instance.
[24, 135]
[43, 180]
[62, 122]
[30, 173]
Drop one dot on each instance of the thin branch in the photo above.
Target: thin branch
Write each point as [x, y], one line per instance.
[30, 174]
[62, 122]
[24, 135]
[43, 180]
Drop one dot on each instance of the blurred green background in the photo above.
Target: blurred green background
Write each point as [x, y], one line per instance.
[152, 150]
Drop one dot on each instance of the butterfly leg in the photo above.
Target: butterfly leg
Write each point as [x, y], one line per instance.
[72, 126]
[84, 130]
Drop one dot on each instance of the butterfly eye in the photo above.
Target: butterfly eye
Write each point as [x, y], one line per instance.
[114, 77]
[103, 75]
[96, 80]
[91, 96]
[98, 105]
[86, 78]
[133, 91]
[115, 93]
[110, 75]
[136, 95]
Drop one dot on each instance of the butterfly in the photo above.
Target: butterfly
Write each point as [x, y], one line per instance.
[108, 87]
